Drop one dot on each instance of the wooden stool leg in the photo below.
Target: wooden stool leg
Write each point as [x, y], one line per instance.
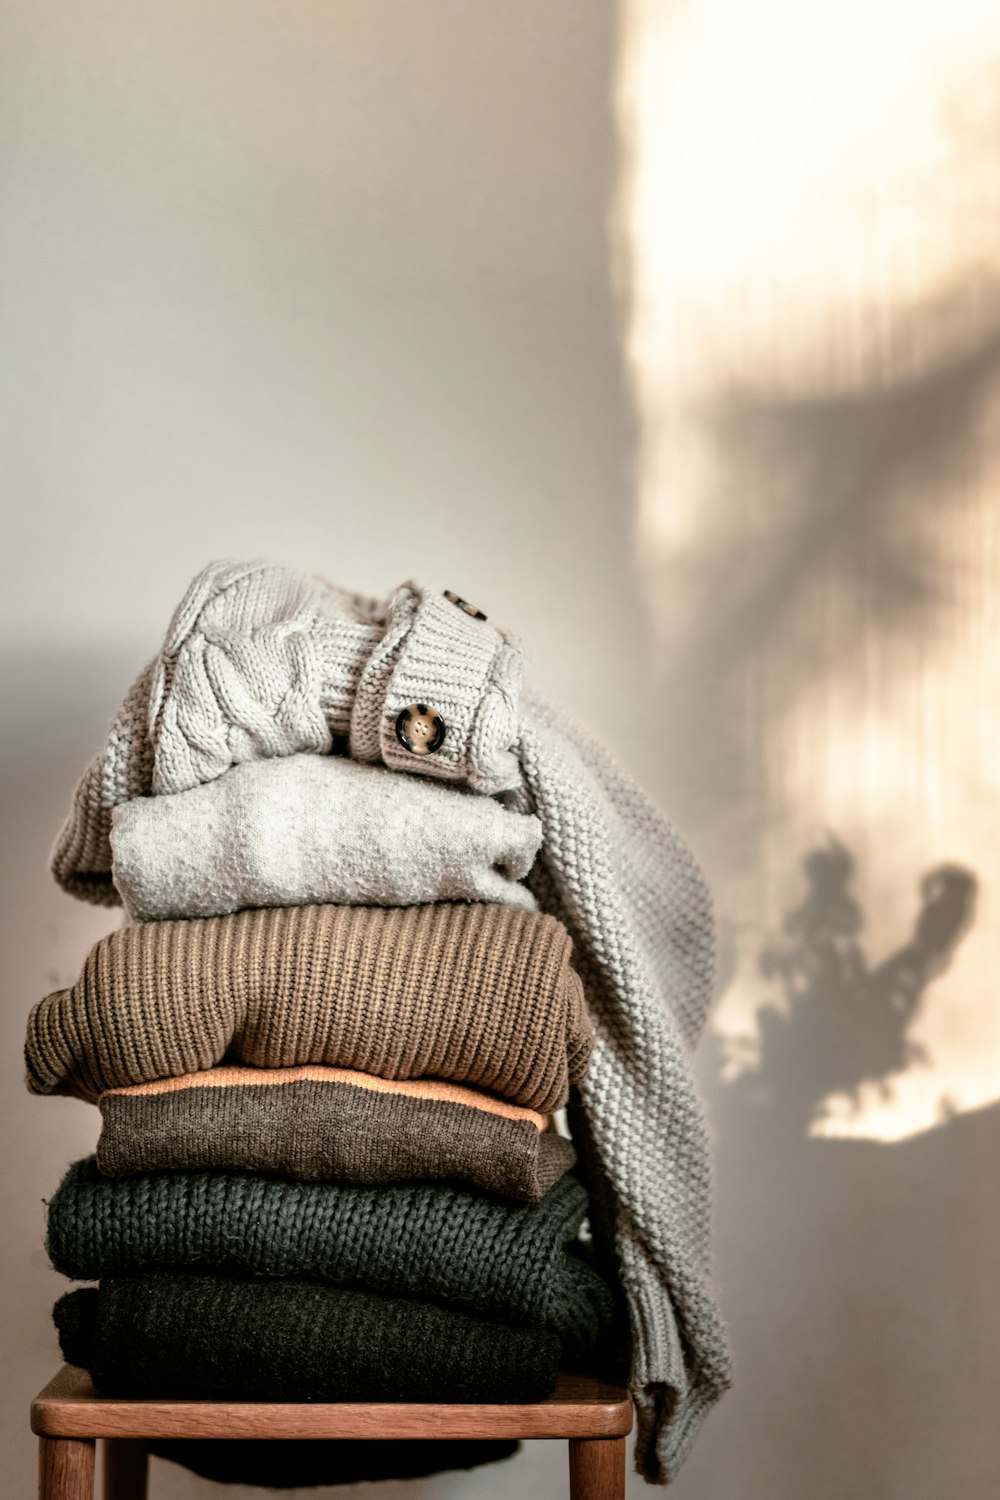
[126, 1461]
[65, 1468]
[597, 1468]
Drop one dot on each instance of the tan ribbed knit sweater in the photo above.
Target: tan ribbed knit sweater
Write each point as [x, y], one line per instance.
[480, 994]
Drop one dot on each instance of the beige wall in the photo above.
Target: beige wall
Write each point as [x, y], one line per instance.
[332, 283]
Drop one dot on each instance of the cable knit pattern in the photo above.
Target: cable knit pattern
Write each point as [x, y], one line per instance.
[437, 1243]
[479, 994]
[209, 1338]
[333, 1125]
[614, 870]
[242, 673]
[316, 829]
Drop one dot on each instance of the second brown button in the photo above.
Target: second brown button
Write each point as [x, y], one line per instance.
[420, 729]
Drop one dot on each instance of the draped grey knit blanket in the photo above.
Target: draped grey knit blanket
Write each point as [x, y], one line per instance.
[512, 1262]
[302, 829]
[261, 661]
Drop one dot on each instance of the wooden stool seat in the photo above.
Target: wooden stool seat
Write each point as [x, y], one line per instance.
[68, 1416]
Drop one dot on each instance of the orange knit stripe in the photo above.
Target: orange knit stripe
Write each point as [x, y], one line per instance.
[428, 1088]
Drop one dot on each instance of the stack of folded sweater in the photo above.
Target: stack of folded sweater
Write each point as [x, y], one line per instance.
[356, 850]
[325, 1170]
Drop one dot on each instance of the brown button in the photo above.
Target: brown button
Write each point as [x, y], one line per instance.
[470, 609]
[420, 729]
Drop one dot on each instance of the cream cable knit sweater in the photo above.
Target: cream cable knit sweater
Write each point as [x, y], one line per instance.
[261, 661]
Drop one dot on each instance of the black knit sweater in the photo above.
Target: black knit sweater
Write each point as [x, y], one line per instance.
[176, 1336]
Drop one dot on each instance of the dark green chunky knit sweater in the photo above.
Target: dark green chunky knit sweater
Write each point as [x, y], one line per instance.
[426, 1240]
[186, 1337]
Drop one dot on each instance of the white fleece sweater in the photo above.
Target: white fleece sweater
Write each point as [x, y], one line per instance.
[298, 830]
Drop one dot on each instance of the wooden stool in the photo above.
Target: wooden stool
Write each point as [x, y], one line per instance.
[68, 1416]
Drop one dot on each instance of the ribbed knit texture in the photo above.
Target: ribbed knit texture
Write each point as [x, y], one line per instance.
[612, 867]
[479, 994]
[304, 829]
[470, 675]
[303, 1462]
[209, 1338]
[434, 1243]
[331, 1124]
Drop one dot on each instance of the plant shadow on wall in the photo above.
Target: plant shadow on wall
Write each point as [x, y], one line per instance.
[857, 1274]
[843, 1024]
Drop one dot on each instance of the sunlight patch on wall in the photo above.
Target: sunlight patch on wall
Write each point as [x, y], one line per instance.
[906, 1105]
[810, 267]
